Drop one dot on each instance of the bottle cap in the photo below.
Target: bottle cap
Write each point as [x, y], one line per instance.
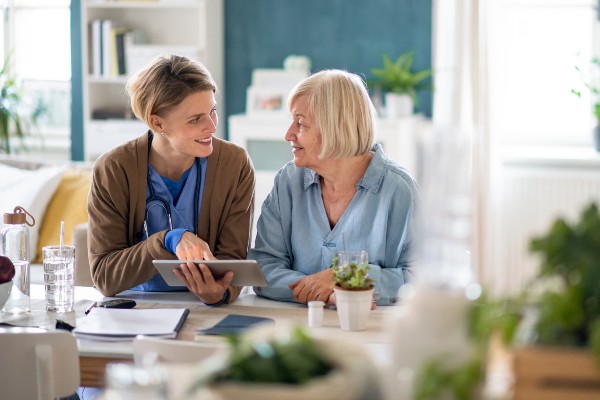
[18, 216]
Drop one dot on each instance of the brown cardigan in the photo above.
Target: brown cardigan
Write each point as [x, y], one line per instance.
[116, 207]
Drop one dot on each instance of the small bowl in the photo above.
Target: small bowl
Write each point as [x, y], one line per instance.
[5, 292]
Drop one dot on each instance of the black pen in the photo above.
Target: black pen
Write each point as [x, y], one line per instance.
[87, 310]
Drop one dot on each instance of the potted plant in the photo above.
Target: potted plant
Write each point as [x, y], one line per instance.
[400, 83]
[590, 82]
[353, 289]
[285, 362]
[13, 116]
[556, 322]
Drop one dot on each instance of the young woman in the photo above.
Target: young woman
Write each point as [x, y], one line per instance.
[176, 192]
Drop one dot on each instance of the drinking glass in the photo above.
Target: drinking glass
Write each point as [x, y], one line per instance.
[59, 279]
[353, 257]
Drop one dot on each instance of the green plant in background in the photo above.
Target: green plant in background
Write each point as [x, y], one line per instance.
[13, 117]
[398, 76]
[568, 309]
[592, 86]
[569, 315]
[351, 276]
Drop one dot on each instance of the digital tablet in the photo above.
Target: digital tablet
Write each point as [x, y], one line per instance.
[245, 272]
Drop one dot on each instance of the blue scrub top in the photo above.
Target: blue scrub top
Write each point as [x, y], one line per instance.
[182, 212]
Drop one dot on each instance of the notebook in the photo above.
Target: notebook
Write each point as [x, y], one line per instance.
[114, 324]
[234, 324]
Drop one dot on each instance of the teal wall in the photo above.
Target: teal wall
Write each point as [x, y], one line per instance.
[76, 84]
[346, 34]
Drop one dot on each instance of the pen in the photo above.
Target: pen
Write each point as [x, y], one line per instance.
[87, 310]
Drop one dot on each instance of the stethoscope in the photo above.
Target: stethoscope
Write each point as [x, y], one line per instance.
[160, 201]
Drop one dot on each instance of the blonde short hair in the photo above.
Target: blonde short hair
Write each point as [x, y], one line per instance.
[340, 106]
[164, 83]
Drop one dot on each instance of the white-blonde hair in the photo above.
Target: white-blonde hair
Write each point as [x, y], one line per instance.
[340, 107]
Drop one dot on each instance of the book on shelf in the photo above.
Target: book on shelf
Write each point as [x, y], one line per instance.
[120, 38]
[118, 50]
[106, 47]
[114, 324]
[96, 46]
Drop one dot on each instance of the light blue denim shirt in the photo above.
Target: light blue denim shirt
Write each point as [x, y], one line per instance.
[294, 238]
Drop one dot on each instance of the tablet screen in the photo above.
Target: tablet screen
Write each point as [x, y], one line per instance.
[245, 272]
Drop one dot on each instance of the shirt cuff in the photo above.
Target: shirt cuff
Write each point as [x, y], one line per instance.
[223, 300]
[172, 239]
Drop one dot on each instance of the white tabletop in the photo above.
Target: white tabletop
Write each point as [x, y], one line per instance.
[376, 337]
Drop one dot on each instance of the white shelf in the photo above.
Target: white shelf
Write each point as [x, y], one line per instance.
[161, 27]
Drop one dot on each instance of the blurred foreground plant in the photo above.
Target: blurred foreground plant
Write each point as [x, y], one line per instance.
[567, 308]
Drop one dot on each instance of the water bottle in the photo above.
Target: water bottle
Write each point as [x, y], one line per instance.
[14, 244]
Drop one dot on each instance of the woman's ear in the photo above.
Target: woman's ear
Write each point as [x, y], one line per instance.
[156, 123]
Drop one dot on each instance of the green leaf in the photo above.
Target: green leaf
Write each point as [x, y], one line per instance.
[594, 335]
[293, 360]
[351, 276]
[397, 76]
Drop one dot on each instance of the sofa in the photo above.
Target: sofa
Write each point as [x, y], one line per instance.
[51, 191]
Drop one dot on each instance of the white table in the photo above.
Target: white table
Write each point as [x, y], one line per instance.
[95, 355]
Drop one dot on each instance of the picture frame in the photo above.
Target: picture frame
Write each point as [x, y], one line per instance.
[267, 100]
[270, 89]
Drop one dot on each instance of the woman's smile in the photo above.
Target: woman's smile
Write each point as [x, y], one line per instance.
[204, 142]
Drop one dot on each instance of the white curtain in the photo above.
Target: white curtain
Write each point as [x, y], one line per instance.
[460, 108]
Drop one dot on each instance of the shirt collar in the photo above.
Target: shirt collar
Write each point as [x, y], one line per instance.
[372, 178]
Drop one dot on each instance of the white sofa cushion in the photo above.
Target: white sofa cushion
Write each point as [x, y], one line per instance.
[30, 189]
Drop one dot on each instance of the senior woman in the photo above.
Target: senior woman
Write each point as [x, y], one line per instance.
[176, 192]
[340, 192]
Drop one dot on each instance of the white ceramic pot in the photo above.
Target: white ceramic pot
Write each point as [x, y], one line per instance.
[398, 105]
[353, 308]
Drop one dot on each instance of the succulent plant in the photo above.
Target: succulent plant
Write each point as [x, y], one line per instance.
[351, 276]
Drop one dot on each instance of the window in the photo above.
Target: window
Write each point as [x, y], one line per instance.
[36, 40]
[535, 47]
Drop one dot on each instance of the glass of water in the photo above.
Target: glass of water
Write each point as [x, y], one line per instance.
[59, 279]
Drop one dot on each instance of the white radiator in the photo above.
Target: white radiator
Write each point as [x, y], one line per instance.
[531, 199]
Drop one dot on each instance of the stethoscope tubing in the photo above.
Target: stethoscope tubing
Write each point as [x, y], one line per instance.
[165, 204]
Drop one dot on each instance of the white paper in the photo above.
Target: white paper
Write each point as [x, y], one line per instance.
[126, 324]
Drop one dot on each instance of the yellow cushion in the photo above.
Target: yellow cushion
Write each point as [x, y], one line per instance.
[68, 204]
